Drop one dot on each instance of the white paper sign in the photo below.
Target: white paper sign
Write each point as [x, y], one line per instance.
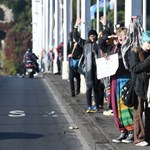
[107, 67]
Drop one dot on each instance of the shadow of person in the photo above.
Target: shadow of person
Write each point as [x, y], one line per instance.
[18, 135]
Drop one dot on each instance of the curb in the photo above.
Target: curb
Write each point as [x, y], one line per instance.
[91, 133]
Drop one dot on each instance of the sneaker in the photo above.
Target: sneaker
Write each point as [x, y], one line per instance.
[108, 113]
[95, 109]
[143, 143]
[89, 110]
[120, 138]
[129, 138]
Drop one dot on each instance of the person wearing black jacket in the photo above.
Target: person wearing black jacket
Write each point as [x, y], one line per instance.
[90, 52]
[123, 115]
[140, 69]
[73, 74]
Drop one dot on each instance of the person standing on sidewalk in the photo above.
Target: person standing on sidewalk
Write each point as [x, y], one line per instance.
[90, 52]
[123, 115]
[73, 51]
[140, 68]
[50, 58]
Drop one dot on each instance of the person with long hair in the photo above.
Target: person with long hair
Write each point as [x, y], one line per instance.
[123, 115]
[140, 69]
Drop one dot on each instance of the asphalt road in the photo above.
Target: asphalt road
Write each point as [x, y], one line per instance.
[33, 118]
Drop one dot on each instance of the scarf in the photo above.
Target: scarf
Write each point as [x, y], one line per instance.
[132, 40]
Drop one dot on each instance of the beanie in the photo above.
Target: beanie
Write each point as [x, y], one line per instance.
[145, 36]
[92, 32]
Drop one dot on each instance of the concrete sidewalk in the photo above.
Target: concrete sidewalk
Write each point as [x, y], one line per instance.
[98, 130]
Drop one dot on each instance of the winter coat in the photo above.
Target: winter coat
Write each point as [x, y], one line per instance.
[140, 69]
[90, 52]
[77, 52]
[112, 49]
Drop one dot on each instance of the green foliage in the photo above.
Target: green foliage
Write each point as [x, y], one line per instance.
[18, 37]
[9, 67]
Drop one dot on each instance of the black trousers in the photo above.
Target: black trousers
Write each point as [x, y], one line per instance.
[74, 74]
[98, 91]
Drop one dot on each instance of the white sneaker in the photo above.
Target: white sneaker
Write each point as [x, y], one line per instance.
[120, 138]
[129, 138]
[143, 143]
[108, 113]
[36, 74]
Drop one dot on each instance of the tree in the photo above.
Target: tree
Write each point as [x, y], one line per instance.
[18, 35]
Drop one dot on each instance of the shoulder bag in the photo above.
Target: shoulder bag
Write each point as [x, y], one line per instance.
[74, 62]
[129, 97]
[81, 65]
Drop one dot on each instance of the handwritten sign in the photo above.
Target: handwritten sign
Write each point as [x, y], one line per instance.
[107, 67]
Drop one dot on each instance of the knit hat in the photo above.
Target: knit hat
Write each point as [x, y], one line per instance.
[92, 32]
[145, 37]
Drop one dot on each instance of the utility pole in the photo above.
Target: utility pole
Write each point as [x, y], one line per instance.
[115, 14]
[51, 39]
[66, 38]
[57, 34]
[104, 12]
[85, 27]
[78, 8]
[97, 16]
[71, 15]
[43, 24]
[61, 20]
[85, 17]
[144, 14]
[132, 8]
[34, 26]
[47, 6]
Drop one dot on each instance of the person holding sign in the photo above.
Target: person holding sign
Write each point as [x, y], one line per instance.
[123, 115]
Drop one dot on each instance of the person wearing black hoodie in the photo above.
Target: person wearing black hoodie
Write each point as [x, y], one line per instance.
[90, 52]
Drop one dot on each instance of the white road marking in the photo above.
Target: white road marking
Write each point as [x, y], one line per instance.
[16, 113]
